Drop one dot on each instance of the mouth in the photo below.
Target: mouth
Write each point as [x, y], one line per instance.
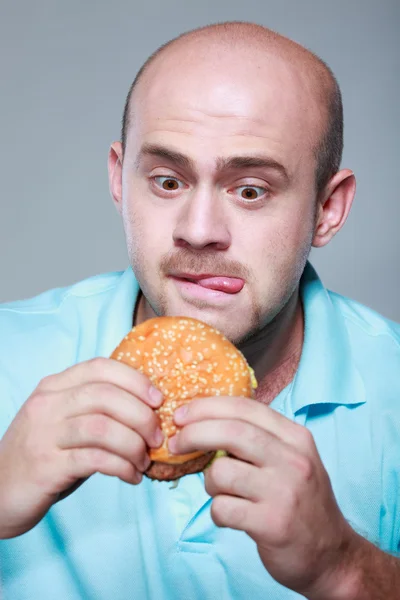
[209, 283]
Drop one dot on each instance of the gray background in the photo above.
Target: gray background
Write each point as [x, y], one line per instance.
[65, 70]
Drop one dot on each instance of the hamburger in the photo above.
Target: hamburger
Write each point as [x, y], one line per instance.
[185, 359]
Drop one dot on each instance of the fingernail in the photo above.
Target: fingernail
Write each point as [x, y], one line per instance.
[172, 443]
[138, 477]
[156, 396]
[180, 414]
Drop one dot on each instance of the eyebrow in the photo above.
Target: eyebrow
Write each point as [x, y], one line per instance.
[228, 163]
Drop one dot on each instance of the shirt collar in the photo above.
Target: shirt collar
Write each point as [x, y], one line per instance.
[327, 373]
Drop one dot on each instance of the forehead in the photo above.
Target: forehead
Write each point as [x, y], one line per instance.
[227, 98]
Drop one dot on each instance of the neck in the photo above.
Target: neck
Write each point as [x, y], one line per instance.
[274, 352]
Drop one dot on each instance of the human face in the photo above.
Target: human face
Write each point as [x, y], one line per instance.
[218, 188]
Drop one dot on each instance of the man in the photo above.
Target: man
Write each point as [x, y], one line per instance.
[227, 174]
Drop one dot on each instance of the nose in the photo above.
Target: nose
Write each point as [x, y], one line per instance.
[202, 222]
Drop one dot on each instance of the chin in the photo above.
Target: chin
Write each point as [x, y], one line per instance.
[226, 323]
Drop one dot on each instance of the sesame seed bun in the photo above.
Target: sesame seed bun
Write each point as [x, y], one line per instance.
[185, 359]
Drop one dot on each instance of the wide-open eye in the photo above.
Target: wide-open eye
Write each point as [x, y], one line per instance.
[250, 192]
[168, 183]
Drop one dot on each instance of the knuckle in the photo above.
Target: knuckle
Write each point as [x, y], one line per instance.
[219, 512]
[149, 419]
[47, 383]
[236, 429]
[225, 511]
[98, 459]
[260, 439]
[282, 515]
[93, 459]
[36, 404]
[128, 472]
[95, 426]
[304, 437]
[91, 392]
[279, 530]
[75, 458]
[98, 365]
[224, 476]
[241, 405]
[104, 391]
[137, 447]
[80, 393]
[304, 467]
[218, 469]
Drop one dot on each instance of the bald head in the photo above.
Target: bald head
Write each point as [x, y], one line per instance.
[314, 80]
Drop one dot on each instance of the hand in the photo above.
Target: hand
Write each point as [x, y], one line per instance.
[96, 416]
[273, 486]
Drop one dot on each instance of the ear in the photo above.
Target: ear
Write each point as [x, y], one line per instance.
[334, 207]
[115, 157]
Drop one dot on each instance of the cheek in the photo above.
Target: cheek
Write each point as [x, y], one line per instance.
[145, 232]
[277, 249]
[277, 238]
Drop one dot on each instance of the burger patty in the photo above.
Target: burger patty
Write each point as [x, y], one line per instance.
[168, 472]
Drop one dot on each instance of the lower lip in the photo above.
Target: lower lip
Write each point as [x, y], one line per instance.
[194, 290]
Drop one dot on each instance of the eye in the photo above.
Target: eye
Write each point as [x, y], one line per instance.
[250, 192]
[168, 183]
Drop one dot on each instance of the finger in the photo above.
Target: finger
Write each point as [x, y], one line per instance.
[229, 511]
[84, 462]
[99, 431]
[245, 409]
[241, 439]
[228, 476]
[104, 370]
[118, 404]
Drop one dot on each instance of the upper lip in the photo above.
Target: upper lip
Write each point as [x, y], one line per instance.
[196, 276]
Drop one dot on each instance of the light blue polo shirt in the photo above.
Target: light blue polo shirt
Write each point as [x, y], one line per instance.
[112, 540]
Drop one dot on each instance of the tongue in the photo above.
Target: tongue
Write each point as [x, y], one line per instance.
[229, 285]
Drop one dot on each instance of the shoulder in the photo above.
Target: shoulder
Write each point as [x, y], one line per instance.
[365, 325]
[23, 316]
[48, 333]
[365, 319]
[375, 345]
